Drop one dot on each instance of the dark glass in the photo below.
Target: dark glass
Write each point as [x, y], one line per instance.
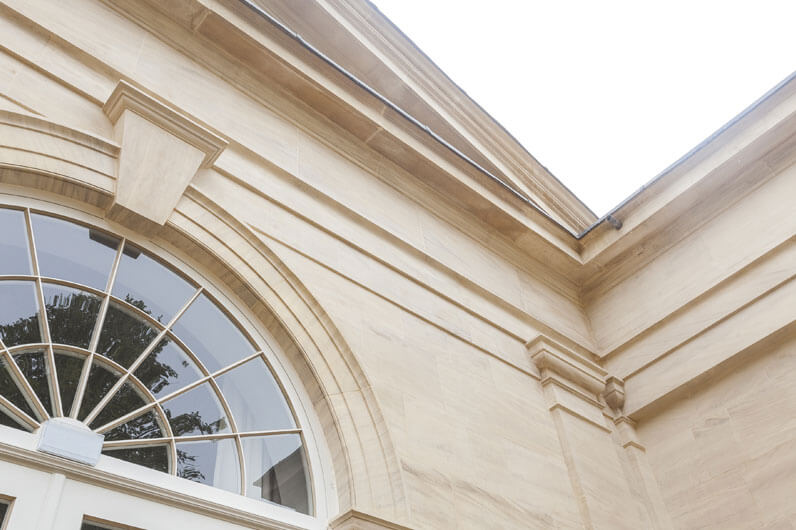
[211, 462]
[11, 391]
[71, 314]
[3, 510]
[124, 402]
[196, 412]
[124, 336]
[68, 369]
[19, 314]
[6, 420]
[73, 252]
[34, 366]
[90, 526]
[211, 335]
[255, 399]
[276, 471]
[142, 427]
[162, 291]
[100, 381]
[14, 252]
[156, 457]
[167, 369]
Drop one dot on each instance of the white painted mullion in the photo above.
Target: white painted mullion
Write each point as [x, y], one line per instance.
[12, 410]
[44, 325]
[95, 336]
[104, 401]
[24, 385]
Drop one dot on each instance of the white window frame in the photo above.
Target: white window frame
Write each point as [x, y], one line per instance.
[318, 456]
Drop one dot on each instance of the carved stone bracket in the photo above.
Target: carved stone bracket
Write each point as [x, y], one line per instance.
[614, 393]
[161, 151]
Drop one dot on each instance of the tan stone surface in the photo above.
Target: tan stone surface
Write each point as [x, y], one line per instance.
[723, 453]
[403, 285]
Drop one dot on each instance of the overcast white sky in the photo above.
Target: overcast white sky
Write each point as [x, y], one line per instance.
[607, 93]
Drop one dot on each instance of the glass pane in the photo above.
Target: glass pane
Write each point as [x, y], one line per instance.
[196, 412]
[124, 336]
[34, 367]
[276, 470]
[3, 510]
[150, 286]
[6, 420]
[19, 314]
[14, 252]
[255, 399]
[11, 391]
[91, 526]
[167, 369]
[213, 462]
[72, 252]
[68, 369]
[126, 400]
[100, 381]
[211, 335]
[71, 314]
[156, 457]
[144, 426]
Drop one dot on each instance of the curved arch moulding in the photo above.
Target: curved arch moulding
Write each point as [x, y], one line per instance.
[53, 167]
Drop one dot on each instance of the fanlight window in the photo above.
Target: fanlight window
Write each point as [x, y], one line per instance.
[95, 329]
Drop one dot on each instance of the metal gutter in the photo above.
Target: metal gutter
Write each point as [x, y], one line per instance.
[414, 121]
[609, 217]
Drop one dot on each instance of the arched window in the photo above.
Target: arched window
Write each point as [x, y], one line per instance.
[96, 329]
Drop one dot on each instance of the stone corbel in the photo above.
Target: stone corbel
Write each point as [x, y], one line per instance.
[614, 393]
[161, 151]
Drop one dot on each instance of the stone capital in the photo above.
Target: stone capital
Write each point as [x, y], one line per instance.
[356, 520]
[559, 363]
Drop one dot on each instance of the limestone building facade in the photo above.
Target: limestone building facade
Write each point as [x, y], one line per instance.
[262, 265]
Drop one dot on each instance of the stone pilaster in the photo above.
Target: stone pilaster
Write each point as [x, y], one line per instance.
[639, 473]
[573, 387]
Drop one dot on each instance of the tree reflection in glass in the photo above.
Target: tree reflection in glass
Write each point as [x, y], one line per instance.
[124, 335]
[71, 314]
[68, 367]
[100, 381]
[125, 401]
[34, 366]
[167, 369]
[196, 412]
[154, 457]
[19, 313]
[11, 391]
[140, 428]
